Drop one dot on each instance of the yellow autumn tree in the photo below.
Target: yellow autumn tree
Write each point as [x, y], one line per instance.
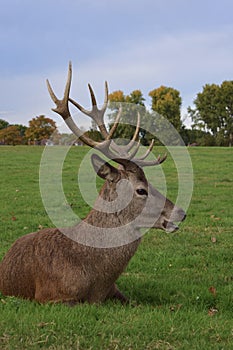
[13, 135]
[40, 128]
[167, 102]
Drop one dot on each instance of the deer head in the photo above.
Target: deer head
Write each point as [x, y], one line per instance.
[126, 197]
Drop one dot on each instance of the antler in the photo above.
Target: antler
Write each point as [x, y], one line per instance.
[120, 154]
[62, 108]
[96, 114]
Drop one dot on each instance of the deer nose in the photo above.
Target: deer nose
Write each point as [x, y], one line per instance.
[184, 216]
[178, 214]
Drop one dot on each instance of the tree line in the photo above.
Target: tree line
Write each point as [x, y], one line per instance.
[211, 116]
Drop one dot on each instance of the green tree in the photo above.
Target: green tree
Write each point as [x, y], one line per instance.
[197, 137]
[135, 97]
[94, 135]
[214, 111]
[167, 102]
[40, 128]
[3, 124]
[226, 110]
[131, 104]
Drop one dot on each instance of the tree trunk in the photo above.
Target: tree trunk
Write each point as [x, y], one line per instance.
[230, 139]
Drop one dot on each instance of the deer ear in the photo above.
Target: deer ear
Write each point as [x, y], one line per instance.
[103, 169]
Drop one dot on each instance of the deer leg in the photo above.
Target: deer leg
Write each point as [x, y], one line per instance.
[49, 292]
[115, 294]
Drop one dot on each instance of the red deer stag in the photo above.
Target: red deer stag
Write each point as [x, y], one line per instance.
[48, 266]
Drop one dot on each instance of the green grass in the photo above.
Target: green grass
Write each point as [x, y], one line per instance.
[168, 281]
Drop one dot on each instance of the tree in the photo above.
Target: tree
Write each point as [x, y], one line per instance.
[214, 111]
[3, 124]
[167, 102]
[130, 104]
[197, 137]
[135, 97]
[226, 110]
[13, 135]
[94, 135]
[40, 128]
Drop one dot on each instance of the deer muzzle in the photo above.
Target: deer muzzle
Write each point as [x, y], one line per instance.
[177, 215]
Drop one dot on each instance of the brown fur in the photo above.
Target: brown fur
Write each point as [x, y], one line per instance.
[49, 266]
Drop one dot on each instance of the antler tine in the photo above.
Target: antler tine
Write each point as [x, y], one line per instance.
[131, 155]
[94, 103]
[157, 161]
[68, 83]
[62, 108]
[62, 105]
[124, 150]
[93, 99]
[51, 92]
[115, 125]
[82, 109]
[148, 151]
[95, 113]
[140, 161]
[132, 141]
[106, 96]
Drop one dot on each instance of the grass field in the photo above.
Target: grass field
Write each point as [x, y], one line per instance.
[180, 285]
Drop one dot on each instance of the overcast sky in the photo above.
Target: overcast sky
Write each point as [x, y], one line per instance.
[130, 43]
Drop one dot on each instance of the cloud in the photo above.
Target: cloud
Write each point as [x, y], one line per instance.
[185, 61]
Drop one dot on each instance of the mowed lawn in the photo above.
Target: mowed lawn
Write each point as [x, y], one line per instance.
[180, 285]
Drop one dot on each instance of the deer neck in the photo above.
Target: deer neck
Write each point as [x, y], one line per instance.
[107, 225]
[112, 209]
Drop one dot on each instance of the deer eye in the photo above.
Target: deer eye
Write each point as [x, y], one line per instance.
[142, 192]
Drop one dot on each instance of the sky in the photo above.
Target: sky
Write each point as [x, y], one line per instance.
[132, 44]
